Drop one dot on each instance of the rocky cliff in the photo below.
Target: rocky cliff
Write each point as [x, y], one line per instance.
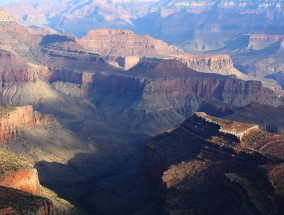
[111, 42]
[231, 154]
[260, 41]
[13, 120]
[169, 91]
[18, 174]
[20, 189]
[15, 70]
[221, 64]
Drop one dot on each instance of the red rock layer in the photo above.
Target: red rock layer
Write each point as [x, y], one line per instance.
[25, 180]
[14, 70]
[14, 119]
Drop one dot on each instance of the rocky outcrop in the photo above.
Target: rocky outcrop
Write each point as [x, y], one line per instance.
[17, 173]
[260, 41]
[20, 189]
[13, 120]
[171, 78]
[230, 153]
[17, 202]
[15, 70]
[221, 64]
[110, 42]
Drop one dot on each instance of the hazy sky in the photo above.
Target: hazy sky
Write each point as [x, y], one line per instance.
[5, 1]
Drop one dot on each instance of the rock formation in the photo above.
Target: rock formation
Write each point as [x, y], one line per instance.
[221, 64]
[266, 53]
[233, 155]
[18, 180]
[13, 120]
[260, 41]
[111, 42]
[17, 202]
[169, 91]
[18, 174]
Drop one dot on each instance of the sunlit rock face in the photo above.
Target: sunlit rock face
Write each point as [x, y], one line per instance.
[111, 42]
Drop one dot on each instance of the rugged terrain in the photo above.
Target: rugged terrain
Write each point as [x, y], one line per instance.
[21, 192]
[195, 26]
[89, 143]
[240, 159]
[18, 180]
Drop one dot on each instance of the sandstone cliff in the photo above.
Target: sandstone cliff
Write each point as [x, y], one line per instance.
[221, 64]
[18, 174]
[110, 42]
[14, 69]
[13, 120]
[20, 189]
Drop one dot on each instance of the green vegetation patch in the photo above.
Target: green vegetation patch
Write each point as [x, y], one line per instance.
[4, 110]
[20, 202]
[12, 162]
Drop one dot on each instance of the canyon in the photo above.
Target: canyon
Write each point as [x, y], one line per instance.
[80, 109]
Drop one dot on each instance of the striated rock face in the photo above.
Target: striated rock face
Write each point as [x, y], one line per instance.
[260, 41]
[171, 78]
[14, 119]
[110, 42]
[15, 70]
[208, 63]
[221, 64]
[232, 154]
[163, 93]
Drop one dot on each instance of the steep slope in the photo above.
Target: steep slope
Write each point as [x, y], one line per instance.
[163, 92]
[14, 119]
[18, 180]
[233, 155]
